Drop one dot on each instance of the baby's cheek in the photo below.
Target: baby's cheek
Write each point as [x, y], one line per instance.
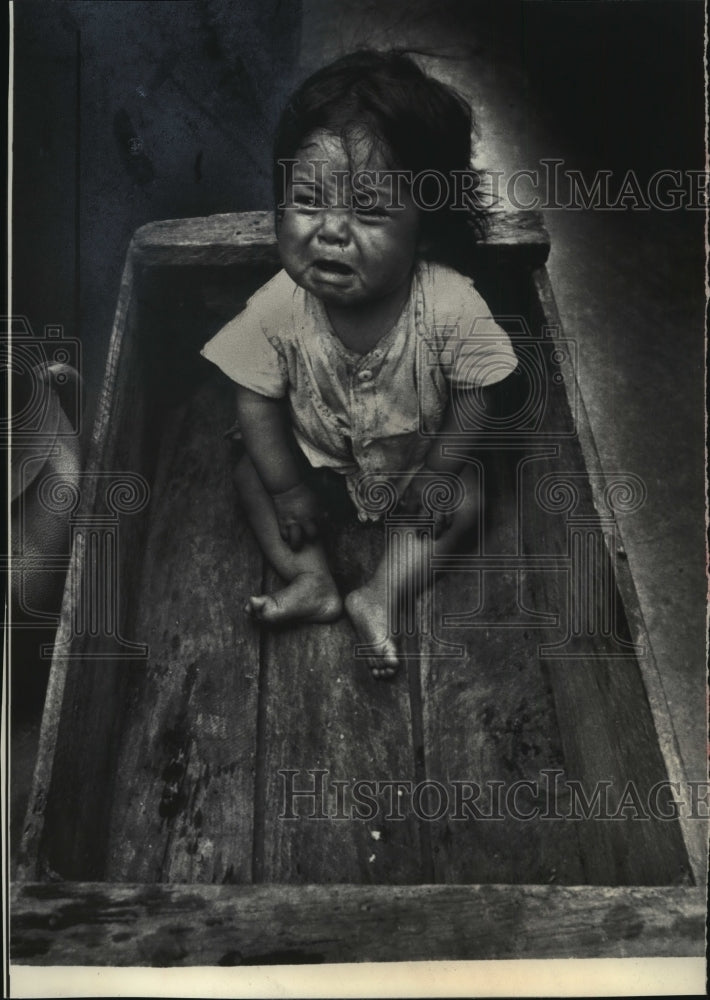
[292, 229]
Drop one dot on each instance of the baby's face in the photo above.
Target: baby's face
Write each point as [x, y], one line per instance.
[346, 248]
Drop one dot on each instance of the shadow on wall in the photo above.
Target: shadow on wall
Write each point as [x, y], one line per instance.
[129, 111]
[622, 82]
[126, 112]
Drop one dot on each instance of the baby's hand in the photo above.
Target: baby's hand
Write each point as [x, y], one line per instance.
[296, 514]
[413, 503]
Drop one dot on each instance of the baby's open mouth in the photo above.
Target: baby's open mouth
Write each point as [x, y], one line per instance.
[333, 266]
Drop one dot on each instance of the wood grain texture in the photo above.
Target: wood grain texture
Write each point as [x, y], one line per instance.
[96, 924]
[516, 239]
[604, 719]
[544, 312]
[322, 710]
[183, 802]
[65, 821]
[489, 717]
[165, 789]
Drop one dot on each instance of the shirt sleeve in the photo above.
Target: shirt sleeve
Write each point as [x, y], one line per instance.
[249, 348]
[474, 350]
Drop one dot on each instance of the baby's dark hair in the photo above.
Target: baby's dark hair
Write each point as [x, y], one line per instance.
[418, 123]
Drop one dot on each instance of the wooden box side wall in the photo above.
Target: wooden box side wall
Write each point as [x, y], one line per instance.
[80, 814]
[83, 708]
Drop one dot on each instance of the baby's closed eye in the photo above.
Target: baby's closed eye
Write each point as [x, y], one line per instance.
[306, 199]
[371, 213]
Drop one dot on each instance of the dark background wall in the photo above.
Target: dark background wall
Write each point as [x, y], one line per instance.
[621, 81]
[128, 111]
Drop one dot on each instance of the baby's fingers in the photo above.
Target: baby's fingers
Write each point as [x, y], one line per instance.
[295, 537]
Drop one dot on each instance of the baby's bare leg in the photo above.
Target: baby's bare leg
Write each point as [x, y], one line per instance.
[368, 606]
[310, 594]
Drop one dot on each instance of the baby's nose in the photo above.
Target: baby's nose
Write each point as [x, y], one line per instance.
[334, 225]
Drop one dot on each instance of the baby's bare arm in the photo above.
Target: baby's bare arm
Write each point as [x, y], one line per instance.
[270, 445]
[267, 440]
[464, 420]
[470, 402]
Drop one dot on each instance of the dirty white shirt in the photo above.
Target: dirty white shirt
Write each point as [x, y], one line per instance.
[374, 412]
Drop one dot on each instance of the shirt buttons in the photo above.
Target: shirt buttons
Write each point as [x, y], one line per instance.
[365, 375]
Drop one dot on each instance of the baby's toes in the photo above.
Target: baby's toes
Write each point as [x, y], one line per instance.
[383, 673]
[385, 669]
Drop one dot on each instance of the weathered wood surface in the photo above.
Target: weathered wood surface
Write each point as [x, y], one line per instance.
[514, 239]
[71, 787]
[96, 924]
[183, 799]
[323, 710]
[69, 814]
[181, 811]
[208, 925]
[695, 834]
[605, 726]
[489, 718]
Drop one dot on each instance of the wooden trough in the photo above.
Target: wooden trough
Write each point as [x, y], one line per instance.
[507, 796]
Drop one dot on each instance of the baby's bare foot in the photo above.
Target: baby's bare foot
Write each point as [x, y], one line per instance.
[368, 613]
[309, 597]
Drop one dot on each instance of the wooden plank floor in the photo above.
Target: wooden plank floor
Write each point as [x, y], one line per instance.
[606, 728]
[183, 804]
[322, 710]
[489, 718]
[75, 923]
[225, 717]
